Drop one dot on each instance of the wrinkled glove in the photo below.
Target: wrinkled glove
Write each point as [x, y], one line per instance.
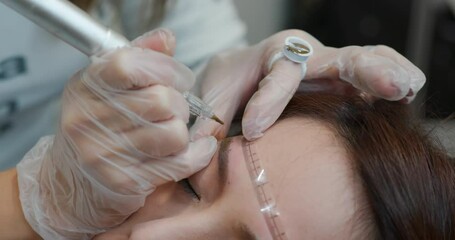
[241, 80]
[123, 133]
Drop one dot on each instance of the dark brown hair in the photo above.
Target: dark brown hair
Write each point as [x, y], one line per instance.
[408, 182]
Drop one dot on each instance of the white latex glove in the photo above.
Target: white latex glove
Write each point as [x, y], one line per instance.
[242, 78]
[123, 133]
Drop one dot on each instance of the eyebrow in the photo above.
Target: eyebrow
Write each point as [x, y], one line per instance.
[246, 233]
[223, 162]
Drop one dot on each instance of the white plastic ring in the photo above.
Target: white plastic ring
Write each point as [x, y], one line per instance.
[296, 50]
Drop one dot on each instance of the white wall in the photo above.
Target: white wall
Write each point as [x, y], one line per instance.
[263, 17]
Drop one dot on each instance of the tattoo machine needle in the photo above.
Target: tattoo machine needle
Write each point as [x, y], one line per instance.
[77, 28]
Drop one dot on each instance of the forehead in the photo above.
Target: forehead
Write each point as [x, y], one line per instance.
[311, 177]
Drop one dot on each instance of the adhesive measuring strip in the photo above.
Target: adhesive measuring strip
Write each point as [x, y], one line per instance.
[264, 193]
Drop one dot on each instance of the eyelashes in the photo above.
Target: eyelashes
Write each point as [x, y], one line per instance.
[186, 185]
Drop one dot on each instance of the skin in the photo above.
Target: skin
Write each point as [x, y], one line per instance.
[296, 199]
[12, 221]
[310, 176]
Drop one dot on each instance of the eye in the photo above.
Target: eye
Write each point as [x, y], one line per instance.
[189, 189]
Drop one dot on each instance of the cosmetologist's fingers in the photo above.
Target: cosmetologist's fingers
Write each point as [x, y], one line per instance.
[193, 158]
[375, 74]
[161, 40]
[274, 93]
[416, 76]
[134, 68]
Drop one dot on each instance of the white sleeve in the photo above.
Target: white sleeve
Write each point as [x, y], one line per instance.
[204, 28]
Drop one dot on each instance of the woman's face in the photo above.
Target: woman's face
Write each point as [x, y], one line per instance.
[310, 178]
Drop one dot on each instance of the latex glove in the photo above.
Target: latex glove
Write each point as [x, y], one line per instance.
[242, 78]
[123, 133]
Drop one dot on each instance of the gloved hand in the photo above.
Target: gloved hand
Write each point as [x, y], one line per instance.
[242, 78]
[123, 133]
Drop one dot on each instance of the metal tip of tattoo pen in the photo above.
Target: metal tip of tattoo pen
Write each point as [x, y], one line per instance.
[214, 117]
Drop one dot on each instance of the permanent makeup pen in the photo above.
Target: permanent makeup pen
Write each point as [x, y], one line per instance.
[77, 28]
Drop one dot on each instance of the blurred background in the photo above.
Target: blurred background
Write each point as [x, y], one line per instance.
[421, 30]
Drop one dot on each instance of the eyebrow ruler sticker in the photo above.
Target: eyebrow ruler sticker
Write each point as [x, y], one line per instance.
[263, 191]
